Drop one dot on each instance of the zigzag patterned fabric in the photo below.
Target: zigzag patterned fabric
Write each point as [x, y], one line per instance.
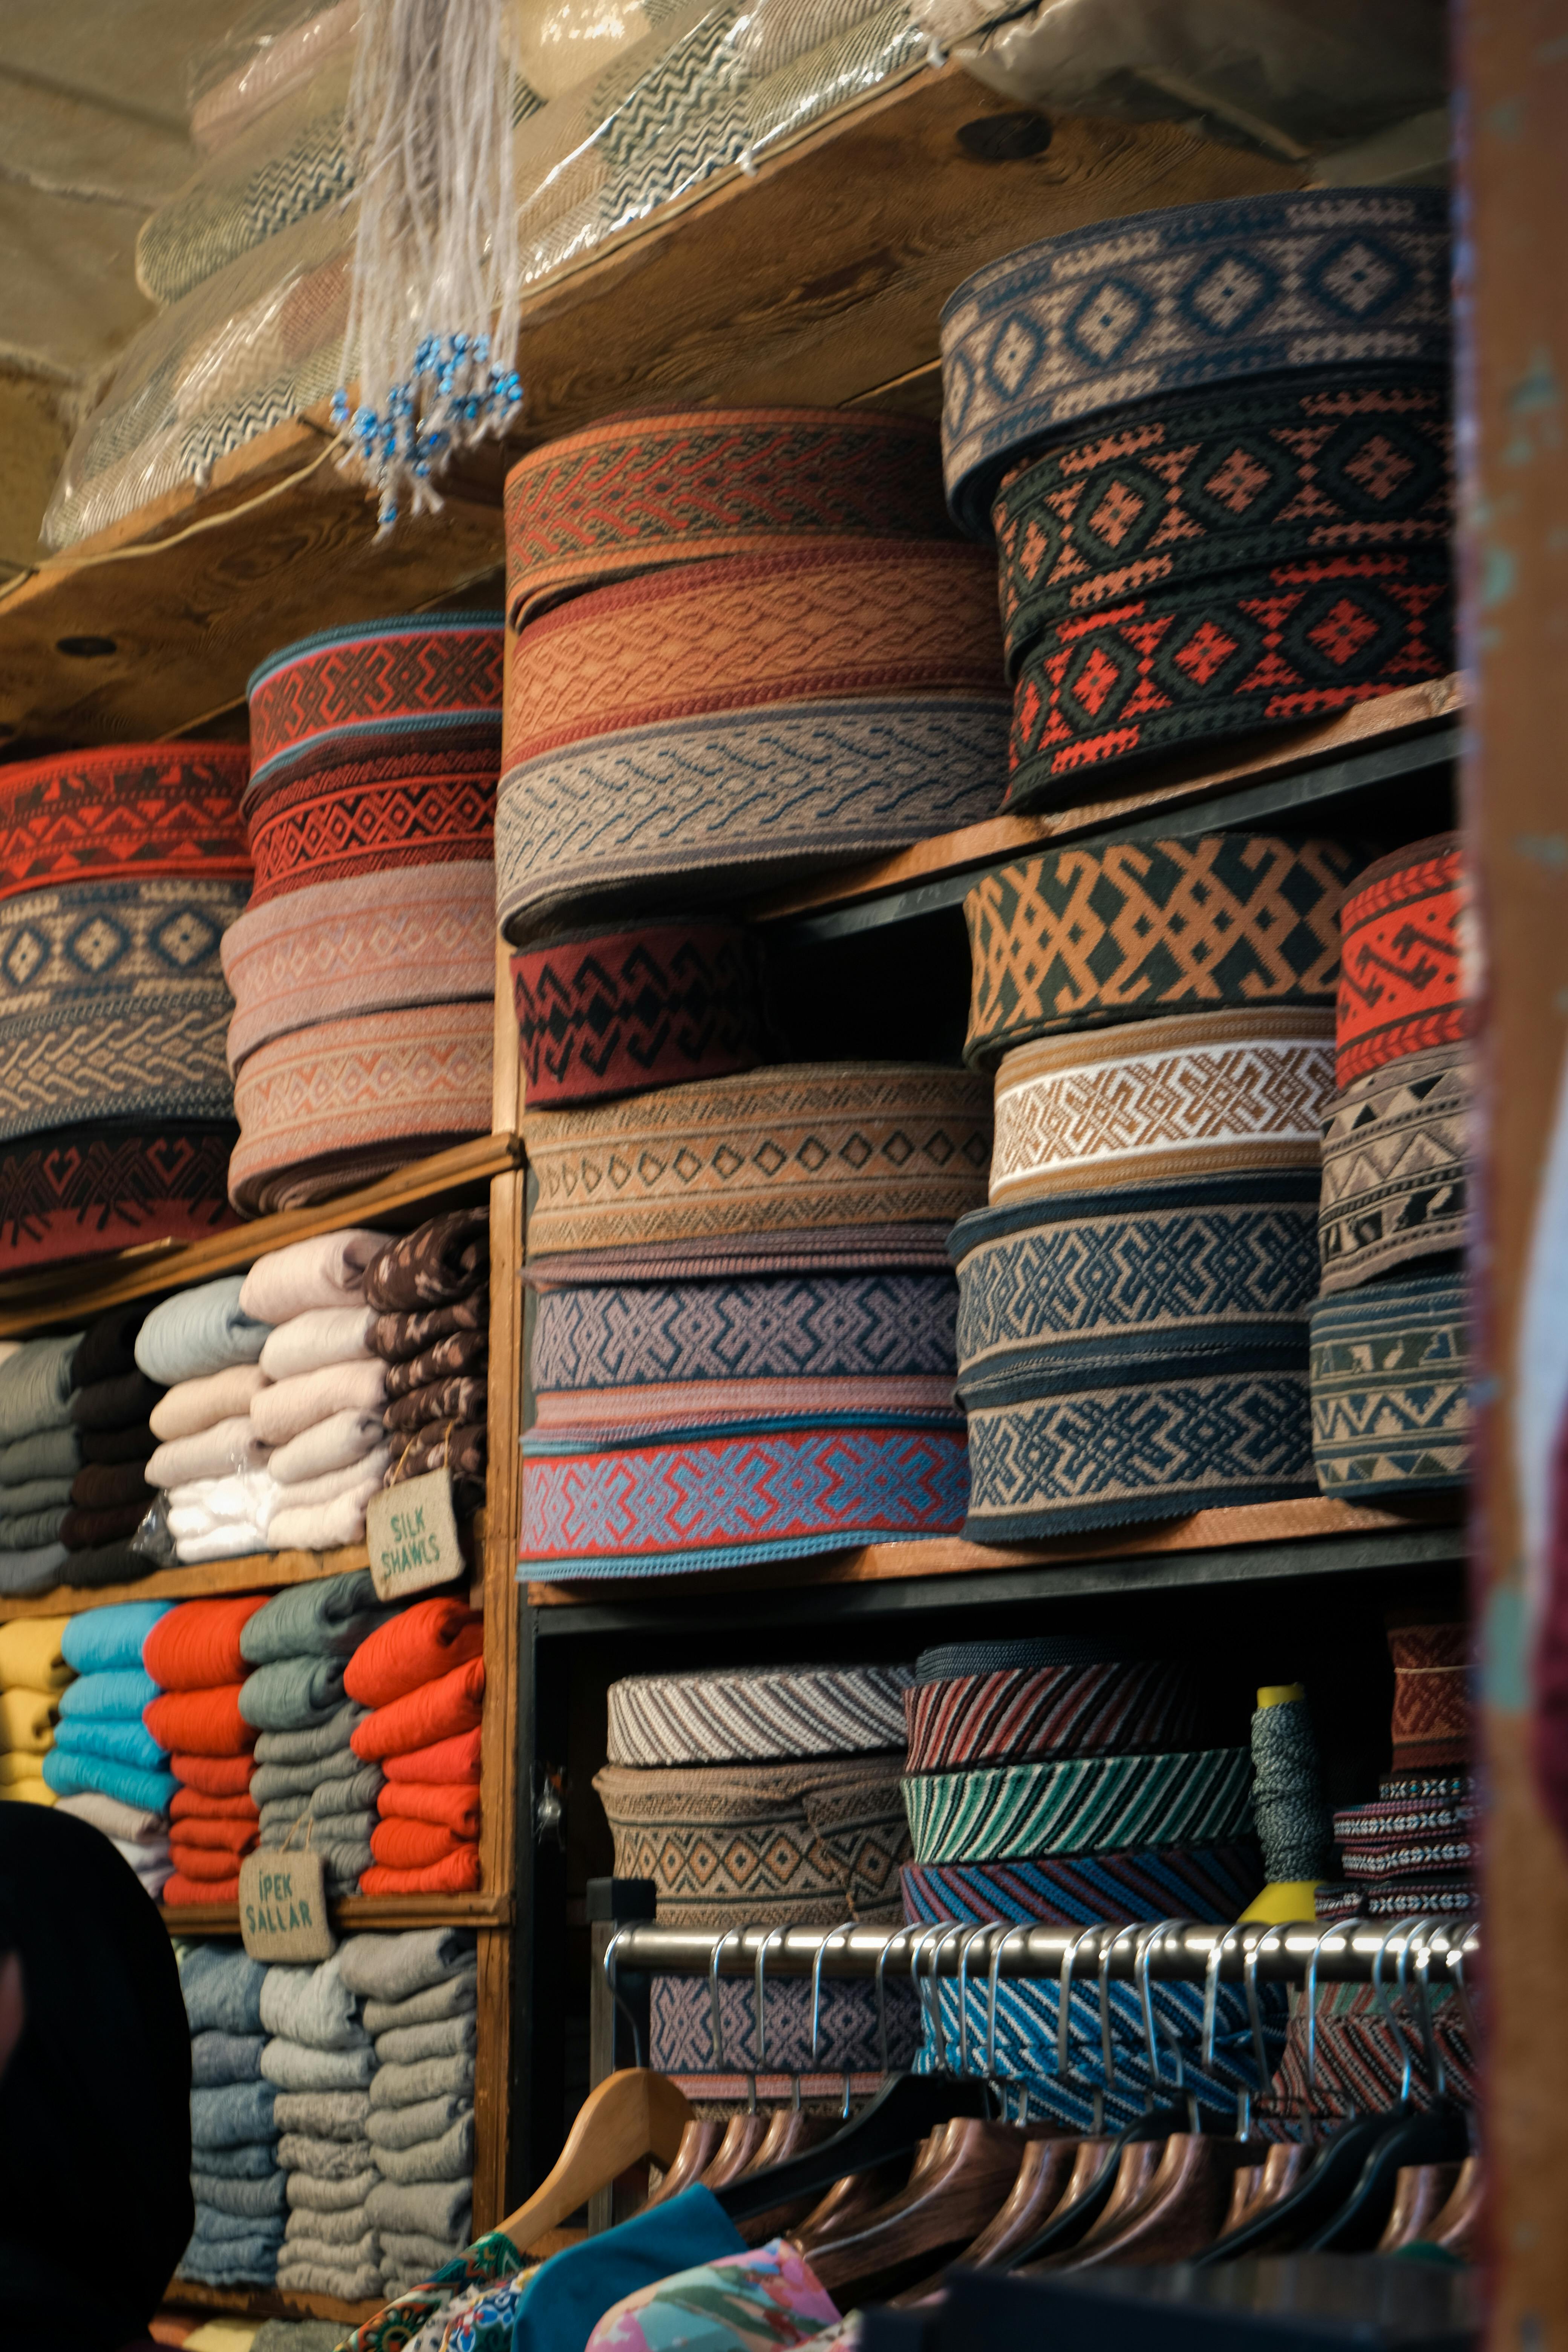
[623, 1012]
[849, 2035]
[370, 944]
[1083, 1805]
[1360, 2063]
[1191, 1094]
[1403, 984]
[1167, 1881]
[1081, 937]
[739, 799]
[1118, 1706]
[1240, 290]
[782, 1328]
[755, 1714]
[367, 816]
[123, 812]
[1396, 1167]
[636, 492]
[83, 1191]
[1391, 1370]
[813, 1145]
[434, 681]
[798, 1845]
[1432, 1731]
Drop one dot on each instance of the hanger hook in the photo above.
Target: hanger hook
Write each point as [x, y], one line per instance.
[638, 2057]
[945, 1937]
[1143, 1953]
[719, 1942]
[1310, 1994]
[916, 1949]
[821, 1954]
[1386, 2011]
[759, 2001]
[1105, 2033]
[1019, 1927]
[1417, 1935]
[1434, 2066]
[1212, 1966]
[983, 1927]
[1253, 1953]
[894, 1935]
[1066, 2071]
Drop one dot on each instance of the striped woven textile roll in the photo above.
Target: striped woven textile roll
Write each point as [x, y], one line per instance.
[606, 1416]
[1191, 1094]
[795, 1844]
[1167, 1881]
[1439, 1895]
[636, 492]
[917, 1247]
[325, 1108]
[1018, 1715]
[1245, 289]
[622, 1012]
[755, 1714]
[1431, 1730]
[947, 1662]
[812, 1145]
[370, 944]
[1358, 2066]
[784, 1328]
[1394, 1165]
[83, 1191]
[1084, 1805]
[1402, 983]
[432, 679]
[123, 812]
[1081, 937]
[1391, 1370]
[381, 813]
[1393, 1817]
[848, 2027]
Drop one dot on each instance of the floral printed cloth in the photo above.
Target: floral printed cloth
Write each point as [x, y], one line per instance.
[761, 2301]
[409, 2319]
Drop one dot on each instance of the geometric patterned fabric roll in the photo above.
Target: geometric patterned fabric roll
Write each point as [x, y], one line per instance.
[1394, 1165]
[432, 680]
[1089, 1805]
[1171, 1882]
[754, 1714]
[122, 812]
[1432, 1730]
[1020, 1715]
[1404, 987]
[379, 812]
[627, 1011]
[1359, 2064]
[848, 2040]
[1390, 1374]
[84, 1192]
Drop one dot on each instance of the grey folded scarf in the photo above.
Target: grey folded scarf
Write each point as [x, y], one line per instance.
[312, 2005]
[269, 1782]
[450, 2158]
[412, 2126]
[312, 2193]
[391, 1968]
[323, 2159]
[345, 2228]
[198, 1332]
[297, 2336]
[217, 2058]
[294, 2066]
[323, 2115]
[343, 1863]
[255, 2160]
[38, 1569]
[347, 1792]
[431, 2078]
[33, 1496]
[222, 1986]
[36, 1387]
[230, 2117]
[305, 2270]
[30, 1531]
[256, 2200]
[450, 1997]
[327, 1620]
[314, 1741]
[408, 2258]
[292, 1694]
[47, 1454]
[447, 2037]
[436, 2208]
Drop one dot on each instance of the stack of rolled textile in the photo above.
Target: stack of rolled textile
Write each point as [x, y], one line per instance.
[431, 1291]
[1413, 1850]
[234, 2136]
[102, 1748]
[320, 1413]
[420, 1993]
[312, 1788]
[110, 1402]
[204, 1347]
[33, 1673]
[193, 1657]
[320, 2047]
[422, 1674]
[39, 1461]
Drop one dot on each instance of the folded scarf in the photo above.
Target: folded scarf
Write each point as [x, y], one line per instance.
[308, 2192]
[461, 1351]
[195, 1405]
[458, 1873]
[85, 1530]
[28, 1720]
[452, 1703]
[181, 1890]
[211, 1775]
[460, 1400]
[343, 1864]
[320, 1526]
[252, 2163]
[302, 2268]
[330, 1804]
[214, 1453]
[115, 1820]
[31, 1791]
[228, 2118]
[196, 1645]
[125, 1403]
[259, 2200]
[423, 1642]
[82, 1774]
[124, 1693]
[222, 2229]
[109, 1345]
[393, 1968]
[290, 1407]
[409, 2260]
[312, 2005]
[402, 1844]
[292, 1694]
[295, 2066]
[343, 1438]
[453, 1760]
[211, 1869]
[40, 1569]
[201, 1722]
[36, 1386]
[222, 1989]
[323, 2162]
[395, 1337]
[399, 2129]
[452, 1804]
[454, 1996]
[328, 1618]
[313, 1742]
[450, 2158]
[270, 1780]
[132, 1444]
[445, 2037]
[198, 1332]
[33, 1495]
[189, 1804]
[324, 2114]
[431, 2078]
[460, 1446]
[320, 1336]
[125, 1741]
[441, 1261]
[93, 1566]
[109, 1486]
[435, 2210]
[190, 1833]
[47, 1454]
[19, 1764]
[238, 1498]
[328, 1270]
[251, 2261]
[31, 1530]
[233, 1539]
[217, 2057]
[101, 1640]
[334, 2227]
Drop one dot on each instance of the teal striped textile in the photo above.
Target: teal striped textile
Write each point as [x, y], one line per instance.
[1087, 1805]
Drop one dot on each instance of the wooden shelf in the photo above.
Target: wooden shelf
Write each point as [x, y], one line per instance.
[265, 2303]
[357, 1911]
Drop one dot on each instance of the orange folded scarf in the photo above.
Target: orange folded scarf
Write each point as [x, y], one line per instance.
[221, 1838]
[415, 1646]
[459, 1875]
[212, 1865]
[178, 1889]
[202, 1722]
[414, 1845]
[197, 1805]
[453, 1803]
[196, 1645]
[215, 1776]
[435, 1711]
[457, 1759]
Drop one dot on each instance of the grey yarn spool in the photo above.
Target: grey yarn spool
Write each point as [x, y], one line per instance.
[1293, 1827]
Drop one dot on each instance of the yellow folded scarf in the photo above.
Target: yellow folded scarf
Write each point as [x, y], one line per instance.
[19, 1767]
[27, 1721]
[30, 1655]
[27, 1792]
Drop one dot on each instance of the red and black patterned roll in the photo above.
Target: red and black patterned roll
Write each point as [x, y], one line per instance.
[82, 1192]
[1111, 1707]
[623, 1011]
[121, 813]
[433, 806]
[430, 681]
[1402, 959]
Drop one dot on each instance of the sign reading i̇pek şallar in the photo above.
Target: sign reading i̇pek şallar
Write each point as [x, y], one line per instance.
[283, 1907]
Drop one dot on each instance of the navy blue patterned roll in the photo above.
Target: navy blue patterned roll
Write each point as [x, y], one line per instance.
[1391, 1370]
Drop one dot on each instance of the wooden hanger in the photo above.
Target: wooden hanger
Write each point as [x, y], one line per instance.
[1093, 2183]
[1048, 2167]
[742, 2138]
[893, 2126]
[1283, 2169]
[790, 2131]
[850, 2201]
[943, 2208]
[1420, 2193]
[1243, 2188]
[1135, 2168]
[697, 2142]
[628, 2118]
[1181, 2210]
[1458, 2226]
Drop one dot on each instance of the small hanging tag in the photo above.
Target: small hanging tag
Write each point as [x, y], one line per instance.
[412, 1532]
[283, 1907]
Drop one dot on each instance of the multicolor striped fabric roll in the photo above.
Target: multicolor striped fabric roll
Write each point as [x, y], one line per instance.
[1395, 1182]
[433, 680]
[634, 493]
[1359, 2064]
[1404, 987]
[1089, 1805]
[1081, 937]
[623, 1012]
[782, 1328]
[755, 1714]
[84, 1192]
[1431, 1730]
[1391, 1372]
[123, 812]
[1167, 1881]
[1019, 1715]
[382, 812]
[607, 1416]
[947, 1662]
[848, 2026]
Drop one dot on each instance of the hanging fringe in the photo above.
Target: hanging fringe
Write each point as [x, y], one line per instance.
[433, 311]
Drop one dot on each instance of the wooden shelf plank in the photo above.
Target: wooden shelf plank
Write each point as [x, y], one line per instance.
[186, 2295]
[355, 1911]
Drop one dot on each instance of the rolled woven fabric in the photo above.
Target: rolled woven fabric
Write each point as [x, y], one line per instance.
[1090, 1805]
[83, 1191]
[1078, 937]
[636, 492]
[613, 1416]
[1396, 1167]
[378, 813]
[373, 943]
[1391, 1369]
[619, 1013]
[1121, 1707]
[849, 2026]
[789, 1327]
[812, 1145]
[1392, 1817]
[1192, 1095]
[917, 1247]
[752, 1713]
[1403, 984]
[1432, 1731]
[1247, 288]
[326, 1107]
[123, 812]
[1167, 1881]
[802, 1845]
[1357, 2065]
[434, 678]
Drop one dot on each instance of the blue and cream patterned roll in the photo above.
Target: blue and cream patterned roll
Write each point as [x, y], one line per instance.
[1391, 1370]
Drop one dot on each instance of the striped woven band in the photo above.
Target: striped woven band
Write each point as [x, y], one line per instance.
[1089, 1805]
[1403, 986]
[948, 1661]
[348, 1100]
[1443, 1894]
[738, 798]
[1391, 1369]
[622, 1012]
[754, 1715]
[1358, 2066]
[1395, 1179]
[835, 1143]
[1386, 1861]
[1431, 1730]
[372, 816]
[1119, 1707]
[85, 1191]
[633, 492]
[376, 685]
[121, 812]
[611, 1416]
[745, 1258]
[1171, 1882]
[1093, 934]
[1157, 1101]
[372, 944]
[1248, 286]
[790, 1327]
[1376, 1824]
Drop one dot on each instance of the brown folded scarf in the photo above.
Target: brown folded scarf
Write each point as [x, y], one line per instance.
[133, 1444]
[85, 1530]
[458, 1446]
[461, 1351]
[395, 1337]
[110, 1486]
[442, 1261]
[462, 1398]
[115, 1403]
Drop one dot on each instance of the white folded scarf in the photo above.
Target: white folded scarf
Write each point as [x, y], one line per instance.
[192, 1405]
[214, 1452]
[322, 1335]
[307, 1494]
[290, 1407]
[331, 1445]
[326, 1271]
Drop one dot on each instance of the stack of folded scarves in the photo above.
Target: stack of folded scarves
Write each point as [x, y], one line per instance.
[34, 1672]
[119, 870]
[39, 1458]
[203, 1348]
[1413, 1851]
[193, 1657]
[320, 2047]
[1390, 1365]
[235, 2169]
[102, 1748]
[422, 1677]
[419, 1993]
[320, 1412]
[1132, 1335]
[312, 1790]
[1211, 443]
[363, 969]
[110, 1400]
[431, 1293]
